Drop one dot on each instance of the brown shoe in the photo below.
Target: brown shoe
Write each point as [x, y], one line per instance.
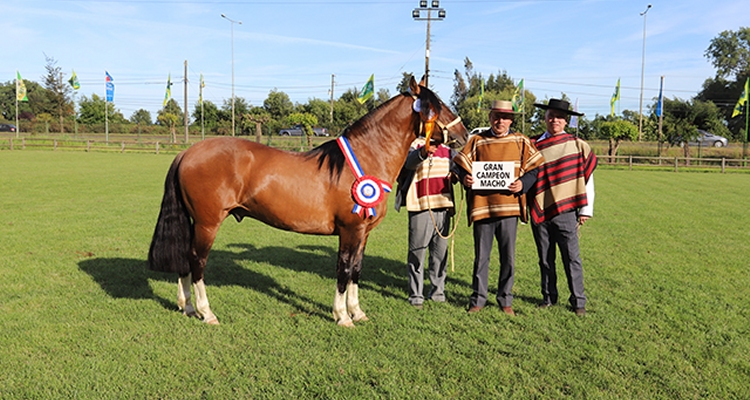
[474, 309]
[580, 311]
[509, 311]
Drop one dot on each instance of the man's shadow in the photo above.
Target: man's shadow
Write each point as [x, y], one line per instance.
[124, 278]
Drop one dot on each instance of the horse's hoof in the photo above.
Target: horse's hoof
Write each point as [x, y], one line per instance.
[212, 321]
[360, 318]
[346, 324]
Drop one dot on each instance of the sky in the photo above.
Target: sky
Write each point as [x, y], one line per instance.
[577, 47]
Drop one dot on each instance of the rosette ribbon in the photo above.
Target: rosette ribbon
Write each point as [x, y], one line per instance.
[367, 191]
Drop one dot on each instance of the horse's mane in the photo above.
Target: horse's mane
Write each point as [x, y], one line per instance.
[329, 154]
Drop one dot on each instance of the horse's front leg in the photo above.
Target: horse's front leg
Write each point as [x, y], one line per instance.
[346, 300]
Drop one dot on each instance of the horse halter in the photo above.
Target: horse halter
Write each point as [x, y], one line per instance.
[427, 125]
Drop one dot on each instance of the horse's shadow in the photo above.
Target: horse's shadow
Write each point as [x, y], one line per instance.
[124, 278]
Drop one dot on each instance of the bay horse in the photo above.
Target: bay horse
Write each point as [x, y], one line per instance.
[317, 192]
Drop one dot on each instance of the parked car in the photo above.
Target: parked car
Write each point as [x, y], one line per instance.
[299, 130]
[477, 130]
[704, 139]
[7, 128]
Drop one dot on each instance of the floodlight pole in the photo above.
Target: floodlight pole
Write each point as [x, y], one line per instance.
[643, 68]
[232, 24]
[417, 15]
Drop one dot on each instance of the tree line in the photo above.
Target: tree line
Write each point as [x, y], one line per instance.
[51, 106]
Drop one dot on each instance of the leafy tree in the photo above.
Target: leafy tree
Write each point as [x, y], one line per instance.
[321, 109]
[730, 54]
[169, 120]
[307, 121]
[91, 111]
[403, 86]
[682, 119]
[346, 110]
[258, 116]
[211, 115]
[141, 117]
[278, 105]
[58, 95]
[615, 132]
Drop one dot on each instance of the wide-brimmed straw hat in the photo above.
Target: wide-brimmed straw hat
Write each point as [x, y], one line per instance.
[560, 105]
[503, 106]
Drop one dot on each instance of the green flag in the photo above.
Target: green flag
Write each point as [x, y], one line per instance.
[518, 97]
[20, 88]
[74, 81]
[615, 97]
[168, 94]
[367, 91]
[742, 100]
[481, 93]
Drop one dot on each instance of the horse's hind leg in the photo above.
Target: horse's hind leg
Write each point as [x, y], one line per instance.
[202, 242]
[183, 296]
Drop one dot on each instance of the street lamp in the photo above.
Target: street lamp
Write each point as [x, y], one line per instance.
[232, 24]
[417, 15]
[643, 67]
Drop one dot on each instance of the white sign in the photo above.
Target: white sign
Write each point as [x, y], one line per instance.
[493, 175]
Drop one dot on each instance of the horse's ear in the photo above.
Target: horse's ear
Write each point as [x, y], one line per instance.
[413, 87]
[422, 81]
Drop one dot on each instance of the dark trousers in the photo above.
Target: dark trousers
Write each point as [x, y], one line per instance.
[560, 231]
[485, 232]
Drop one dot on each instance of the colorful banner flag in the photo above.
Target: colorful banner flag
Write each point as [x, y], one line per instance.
[615, 97]
[168, 94]
[743, 99]
[660, 101]
[110, 87]
[481, 93]
[20, 88]
[518, 97]
[200, 96]
[74, 81]
[574, 118]
[367, 91]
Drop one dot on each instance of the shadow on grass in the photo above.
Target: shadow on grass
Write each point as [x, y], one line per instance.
[124, 278]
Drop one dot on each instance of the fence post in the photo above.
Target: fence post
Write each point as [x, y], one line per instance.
[11, 143]
[55, 145]
[23, 144]
[723, 164]
[88, 146]
[157, 147]
[122, 149]
[675, 164]
[630, 163]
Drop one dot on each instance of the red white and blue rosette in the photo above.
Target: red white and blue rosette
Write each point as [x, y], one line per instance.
[367, 191]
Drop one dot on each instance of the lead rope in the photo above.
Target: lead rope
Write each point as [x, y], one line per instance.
[454, 219]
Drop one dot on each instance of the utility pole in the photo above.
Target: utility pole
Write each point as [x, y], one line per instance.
[332, 77]
[417, 15]
[186, 104]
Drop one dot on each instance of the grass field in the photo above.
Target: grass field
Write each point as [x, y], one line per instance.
[665, 259]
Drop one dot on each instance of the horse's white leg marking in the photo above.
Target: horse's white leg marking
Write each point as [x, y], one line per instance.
[183, 296]
[352, 302]
[339, 310]
[201, 303]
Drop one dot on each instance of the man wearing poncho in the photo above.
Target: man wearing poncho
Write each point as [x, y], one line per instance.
[495, 213]
[562, 199]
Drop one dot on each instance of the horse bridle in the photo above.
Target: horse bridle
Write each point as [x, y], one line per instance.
[426, 125]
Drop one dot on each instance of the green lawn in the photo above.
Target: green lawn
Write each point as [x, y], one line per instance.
[665, 259]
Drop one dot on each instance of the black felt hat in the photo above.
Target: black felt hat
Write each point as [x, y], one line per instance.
[560, 105]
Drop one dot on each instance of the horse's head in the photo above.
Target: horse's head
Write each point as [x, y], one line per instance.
[436, 120]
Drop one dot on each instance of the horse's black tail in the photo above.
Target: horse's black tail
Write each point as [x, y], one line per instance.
[173, 234]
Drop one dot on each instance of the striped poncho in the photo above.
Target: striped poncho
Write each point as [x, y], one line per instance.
[515, 147]
[430, 187]
[561, 182]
